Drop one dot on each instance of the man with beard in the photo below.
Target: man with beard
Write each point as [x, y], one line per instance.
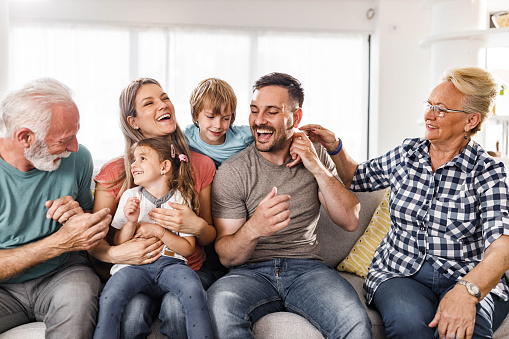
[266, 207]
[45, 186]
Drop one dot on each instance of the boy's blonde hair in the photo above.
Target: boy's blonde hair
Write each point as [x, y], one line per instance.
[212, 93]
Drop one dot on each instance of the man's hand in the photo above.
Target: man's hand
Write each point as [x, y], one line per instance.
[455, 316]
[302, 149]
[317, 133]
[83, 232]
[62, 209]
[271, 215]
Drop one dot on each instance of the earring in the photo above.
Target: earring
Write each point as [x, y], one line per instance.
[466, 135]
[162, 173]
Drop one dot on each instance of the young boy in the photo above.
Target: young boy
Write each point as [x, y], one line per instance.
[213, 105]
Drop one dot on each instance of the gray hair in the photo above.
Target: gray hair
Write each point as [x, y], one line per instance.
[31, 107]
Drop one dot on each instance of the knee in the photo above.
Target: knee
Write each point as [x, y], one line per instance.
[171, 308]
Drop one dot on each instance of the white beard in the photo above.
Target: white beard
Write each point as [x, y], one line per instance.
[39, 156]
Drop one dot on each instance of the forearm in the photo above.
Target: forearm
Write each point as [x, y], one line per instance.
[31, 254]
[345, 166]
[125, 233]
[487, 274]
[341, 205]
[207, 233]
[236, 249]
[178, 244]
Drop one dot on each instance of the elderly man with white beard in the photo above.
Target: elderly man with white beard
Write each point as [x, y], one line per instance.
[45, 181]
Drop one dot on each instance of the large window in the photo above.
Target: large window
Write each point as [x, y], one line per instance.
[98, 61]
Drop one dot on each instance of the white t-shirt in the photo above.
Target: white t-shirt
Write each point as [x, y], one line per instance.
[147, 203]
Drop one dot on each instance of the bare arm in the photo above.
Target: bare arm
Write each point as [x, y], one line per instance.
[183, 219]
[345, 165]
[134, 251]
[237, 238]
[182, 245]
[78, 233]
[341, 204]
[456, 312]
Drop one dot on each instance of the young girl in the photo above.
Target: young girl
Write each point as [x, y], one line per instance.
[163, 174]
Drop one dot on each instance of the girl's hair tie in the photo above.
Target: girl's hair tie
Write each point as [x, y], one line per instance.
[183, 157]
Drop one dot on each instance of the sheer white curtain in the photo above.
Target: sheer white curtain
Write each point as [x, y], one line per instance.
[98, 61]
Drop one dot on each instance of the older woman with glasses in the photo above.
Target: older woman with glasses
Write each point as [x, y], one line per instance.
[439, 272]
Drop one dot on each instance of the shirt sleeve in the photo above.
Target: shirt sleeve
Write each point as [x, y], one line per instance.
[375, 174]
[494, 202]
[204, 170]
[227, 194]
[86, 168]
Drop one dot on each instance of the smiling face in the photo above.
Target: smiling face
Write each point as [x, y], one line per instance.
[213, 127]
[271, 119]
[451, 128]
[146, 168]
[155, 114]
[46, 154]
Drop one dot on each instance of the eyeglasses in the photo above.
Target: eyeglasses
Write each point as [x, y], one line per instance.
[440, 111]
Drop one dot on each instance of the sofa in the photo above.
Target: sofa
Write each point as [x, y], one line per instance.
[336, 244]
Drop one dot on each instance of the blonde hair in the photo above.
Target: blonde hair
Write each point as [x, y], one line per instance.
[480, 89]
[132, 136]
[181, 170]
[212, 93]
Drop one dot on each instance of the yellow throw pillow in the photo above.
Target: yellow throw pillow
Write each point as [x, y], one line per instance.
[360, 256]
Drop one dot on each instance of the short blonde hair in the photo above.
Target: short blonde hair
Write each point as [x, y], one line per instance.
[212, 93]
[480, 89]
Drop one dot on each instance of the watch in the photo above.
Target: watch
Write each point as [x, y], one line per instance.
[472, 288]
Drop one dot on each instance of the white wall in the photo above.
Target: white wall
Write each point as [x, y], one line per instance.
[400, 68]
[4, 46]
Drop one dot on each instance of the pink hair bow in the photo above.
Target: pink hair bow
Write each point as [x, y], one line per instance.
[182, 157]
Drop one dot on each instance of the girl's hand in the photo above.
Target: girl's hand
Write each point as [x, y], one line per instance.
[148, 230]
[180, 219]
[132, 209]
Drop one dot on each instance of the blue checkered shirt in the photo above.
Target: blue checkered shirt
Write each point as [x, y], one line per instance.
[450, 216]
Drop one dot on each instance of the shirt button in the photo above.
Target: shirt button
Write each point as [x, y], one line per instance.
[423, 228]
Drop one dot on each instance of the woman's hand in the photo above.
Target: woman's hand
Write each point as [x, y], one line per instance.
[137, 251]
[455, 315]
[317, 133]
[180, 219]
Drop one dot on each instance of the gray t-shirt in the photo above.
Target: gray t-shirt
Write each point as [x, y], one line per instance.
[246, 178]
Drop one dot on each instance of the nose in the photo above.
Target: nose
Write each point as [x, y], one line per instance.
[162, 105]
[428, 114]
[73, 145]
[260, 119]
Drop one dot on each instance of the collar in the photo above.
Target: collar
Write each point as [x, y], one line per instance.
[157, 202]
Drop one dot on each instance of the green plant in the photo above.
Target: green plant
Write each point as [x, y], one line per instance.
[502, 89]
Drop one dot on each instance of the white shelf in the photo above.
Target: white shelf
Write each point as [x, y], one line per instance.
[493, 37]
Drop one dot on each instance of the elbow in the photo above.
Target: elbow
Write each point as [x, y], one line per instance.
[353, 222]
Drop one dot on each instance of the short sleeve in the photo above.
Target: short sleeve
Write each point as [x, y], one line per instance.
[109, 173]
[227, 194]
[204, 170]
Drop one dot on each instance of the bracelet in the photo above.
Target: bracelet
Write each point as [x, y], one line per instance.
[340, 146]
[164, 231]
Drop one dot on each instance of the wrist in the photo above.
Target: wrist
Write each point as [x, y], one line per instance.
[337, 149]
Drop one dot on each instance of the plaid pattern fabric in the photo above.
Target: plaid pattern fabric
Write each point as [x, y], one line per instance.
[450, 216]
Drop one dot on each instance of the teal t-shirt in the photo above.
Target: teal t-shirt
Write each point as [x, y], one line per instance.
[22, 211]
[237, 138]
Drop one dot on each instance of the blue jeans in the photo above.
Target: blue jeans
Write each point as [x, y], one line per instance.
[156, 279]
[308, 288]
[142, 309]
[408, 305]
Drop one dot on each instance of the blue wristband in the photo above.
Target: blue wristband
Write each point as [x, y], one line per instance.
[340, 146]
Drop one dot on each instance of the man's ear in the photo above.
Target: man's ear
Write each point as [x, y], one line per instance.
[25, 137]
[297, 117]
[132, 122]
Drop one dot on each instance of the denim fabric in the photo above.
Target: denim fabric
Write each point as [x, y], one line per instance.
[408, 305]
[65, 300]
[156, 279]
[142, 309]
[308, 288]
